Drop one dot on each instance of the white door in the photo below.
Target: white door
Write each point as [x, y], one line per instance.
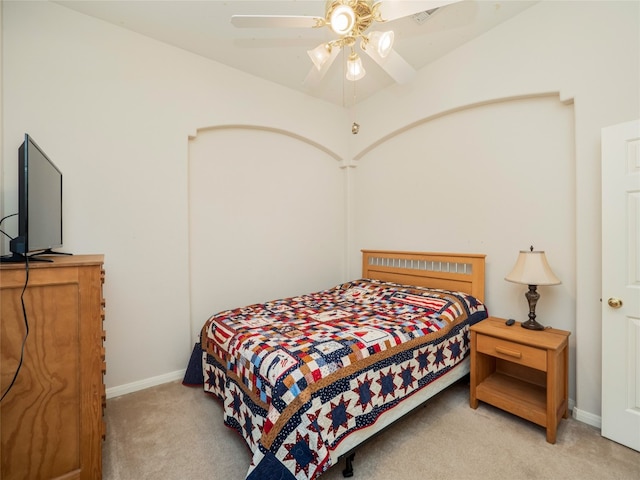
[621, 283]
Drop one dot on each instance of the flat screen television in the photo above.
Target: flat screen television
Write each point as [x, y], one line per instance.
[39, 204]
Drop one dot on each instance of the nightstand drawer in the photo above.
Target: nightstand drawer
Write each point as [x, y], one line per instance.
[513, 352]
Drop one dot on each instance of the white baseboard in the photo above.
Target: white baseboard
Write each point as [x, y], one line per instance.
[580, 415]
[146, 383]
[588, 418]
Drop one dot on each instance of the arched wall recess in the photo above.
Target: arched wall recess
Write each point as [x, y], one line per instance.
[266, 217]
[563, 97]
[266, 128]
[494, 178]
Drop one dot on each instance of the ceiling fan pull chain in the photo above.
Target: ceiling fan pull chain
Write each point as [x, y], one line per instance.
[355, 126]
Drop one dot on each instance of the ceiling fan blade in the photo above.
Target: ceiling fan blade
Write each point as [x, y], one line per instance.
[276, 21]
[391, 10]
[315, 76]
[396, 66]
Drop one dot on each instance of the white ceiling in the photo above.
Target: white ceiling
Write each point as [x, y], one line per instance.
[279, 54]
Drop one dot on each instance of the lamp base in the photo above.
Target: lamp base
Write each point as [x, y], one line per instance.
[532, 297]
[532, 325]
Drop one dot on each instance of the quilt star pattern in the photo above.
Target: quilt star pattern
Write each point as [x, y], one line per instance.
[296, 376]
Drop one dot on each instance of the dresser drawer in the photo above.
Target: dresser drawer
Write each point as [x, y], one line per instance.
[512, 351]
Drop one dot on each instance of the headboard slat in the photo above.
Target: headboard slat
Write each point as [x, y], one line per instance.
[450, 271]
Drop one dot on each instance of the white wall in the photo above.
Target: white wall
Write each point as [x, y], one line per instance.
[115, 110]
[477, 181]
[585, 53]
[254, 222]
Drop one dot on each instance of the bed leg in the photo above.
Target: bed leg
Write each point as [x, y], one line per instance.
[348, 472]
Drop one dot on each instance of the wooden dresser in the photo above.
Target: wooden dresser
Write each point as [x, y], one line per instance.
[51, 421]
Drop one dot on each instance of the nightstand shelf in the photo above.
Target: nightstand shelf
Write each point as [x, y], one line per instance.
[521, 371]
[522, 398]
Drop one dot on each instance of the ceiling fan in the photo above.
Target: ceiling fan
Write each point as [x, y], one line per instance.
[350, 21]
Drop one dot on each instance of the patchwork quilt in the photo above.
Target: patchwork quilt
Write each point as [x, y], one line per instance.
[296, 376]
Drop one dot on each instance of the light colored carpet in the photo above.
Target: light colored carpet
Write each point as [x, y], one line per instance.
[173, 432]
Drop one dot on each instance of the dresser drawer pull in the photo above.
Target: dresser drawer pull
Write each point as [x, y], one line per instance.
[511, 353]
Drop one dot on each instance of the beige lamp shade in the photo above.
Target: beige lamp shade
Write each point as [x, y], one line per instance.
[532, 268]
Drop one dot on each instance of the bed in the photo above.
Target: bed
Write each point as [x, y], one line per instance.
[307, 379]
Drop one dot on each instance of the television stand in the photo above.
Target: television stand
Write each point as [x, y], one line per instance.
[19, 258]
[48, 251]
[34, 257]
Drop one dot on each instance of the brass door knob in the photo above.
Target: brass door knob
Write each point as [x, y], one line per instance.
[614, 302]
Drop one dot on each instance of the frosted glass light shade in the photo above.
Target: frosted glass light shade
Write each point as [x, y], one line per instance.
[320, 55]
[342, 19]
[532, 268]
[382, 41]
[355, 70]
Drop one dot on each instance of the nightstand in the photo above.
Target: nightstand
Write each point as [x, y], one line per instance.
[524, 372]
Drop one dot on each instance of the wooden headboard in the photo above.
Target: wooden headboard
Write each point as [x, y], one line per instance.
[450, 271]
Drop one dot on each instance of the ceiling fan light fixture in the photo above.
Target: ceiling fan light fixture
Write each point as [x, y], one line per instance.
[355, 70]
[382, 41]
[320, 55]
[342, 19]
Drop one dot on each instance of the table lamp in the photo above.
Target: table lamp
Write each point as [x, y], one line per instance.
[532, 269]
